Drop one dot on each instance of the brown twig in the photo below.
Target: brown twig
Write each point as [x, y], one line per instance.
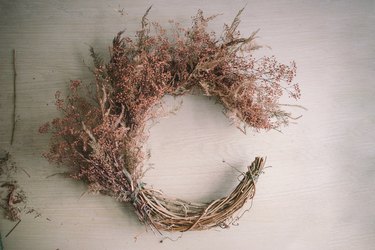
[51, 175]
[14, 97]
[1, 242]
[171, 239]
[14, 227]
[24, 170]
[293, 105]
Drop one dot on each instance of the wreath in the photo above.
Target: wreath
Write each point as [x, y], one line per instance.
[103, 129]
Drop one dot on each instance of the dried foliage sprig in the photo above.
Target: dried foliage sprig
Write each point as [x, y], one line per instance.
[12, 197]
[101, 135]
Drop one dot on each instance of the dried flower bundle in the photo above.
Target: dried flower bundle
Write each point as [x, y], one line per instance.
[102, 132]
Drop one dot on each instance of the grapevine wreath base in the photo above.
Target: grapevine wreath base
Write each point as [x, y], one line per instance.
[104, 127]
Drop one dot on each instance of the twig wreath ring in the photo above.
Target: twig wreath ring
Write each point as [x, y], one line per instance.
[103, 130]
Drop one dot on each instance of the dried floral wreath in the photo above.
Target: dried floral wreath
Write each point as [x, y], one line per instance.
[103, 131]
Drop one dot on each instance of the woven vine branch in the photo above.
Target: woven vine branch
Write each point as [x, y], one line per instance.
[104, 126]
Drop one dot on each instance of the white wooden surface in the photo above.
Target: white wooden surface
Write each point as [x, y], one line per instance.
[319, 193]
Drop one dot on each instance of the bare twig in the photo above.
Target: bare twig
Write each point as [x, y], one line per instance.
[24, 170]
[14, 227]
[14, 97]
[171, 239]
[62, 173]
[293, 105]
[233, 167]
[1, 243]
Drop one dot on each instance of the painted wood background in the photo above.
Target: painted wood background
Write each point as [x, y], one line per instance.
[319, 192]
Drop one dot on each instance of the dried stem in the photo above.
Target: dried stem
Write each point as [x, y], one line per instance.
[14, 227]
[14, 97]
[24, 170]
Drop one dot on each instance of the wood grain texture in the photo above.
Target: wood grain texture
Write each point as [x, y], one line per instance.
[319, 193]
